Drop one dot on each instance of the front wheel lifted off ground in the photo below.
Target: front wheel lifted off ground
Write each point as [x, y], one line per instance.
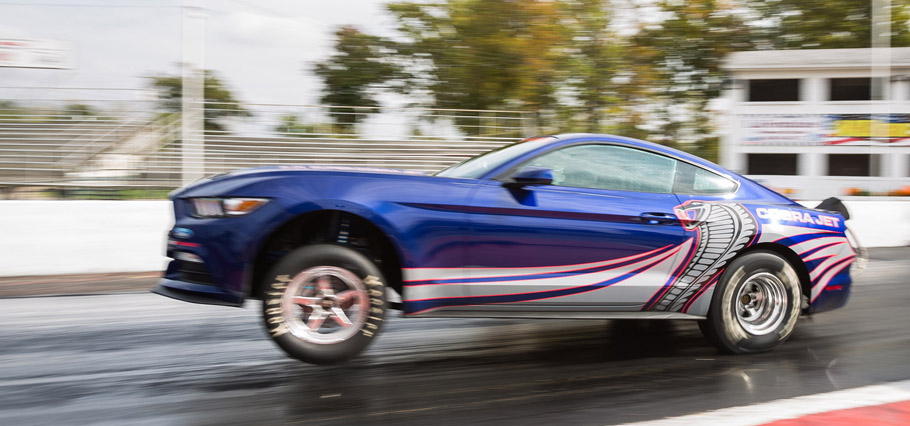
[324, 303]
[755, 305]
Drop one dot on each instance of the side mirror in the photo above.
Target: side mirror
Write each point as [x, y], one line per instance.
[531, 176]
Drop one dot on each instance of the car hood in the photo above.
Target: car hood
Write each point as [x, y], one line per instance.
[295, 169]
[207, 186]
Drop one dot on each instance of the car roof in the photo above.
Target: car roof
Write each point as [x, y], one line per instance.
[753, 190]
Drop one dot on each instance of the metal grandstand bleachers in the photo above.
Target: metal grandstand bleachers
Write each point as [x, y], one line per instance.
[46, 152]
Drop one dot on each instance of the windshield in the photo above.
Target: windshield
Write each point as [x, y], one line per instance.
[475, 167]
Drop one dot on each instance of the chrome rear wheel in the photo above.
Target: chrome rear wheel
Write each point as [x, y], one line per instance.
[755, 305]
[762, 301]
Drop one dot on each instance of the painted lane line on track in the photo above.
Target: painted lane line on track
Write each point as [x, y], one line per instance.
[792, 408]
[896, 413]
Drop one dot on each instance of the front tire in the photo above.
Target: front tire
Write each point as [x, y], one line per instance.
[755, 306]
[324, 303]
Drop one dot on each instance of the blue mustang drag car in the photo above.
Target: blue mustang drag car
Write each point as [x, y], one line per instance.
[568, 226]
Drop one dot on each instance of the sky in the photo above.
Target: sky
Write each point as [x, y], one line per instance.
[263, 49]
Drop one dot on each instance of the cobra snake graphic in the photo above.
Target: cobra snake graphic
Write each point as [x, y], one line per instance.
[723, 230]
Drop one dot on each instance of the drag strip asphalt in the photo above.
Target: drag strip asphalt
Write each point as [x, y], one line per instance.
[139, 358]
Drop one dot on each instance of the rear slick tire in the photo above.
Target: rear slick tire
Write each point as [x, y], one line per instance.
[755, 305]
[324, 304]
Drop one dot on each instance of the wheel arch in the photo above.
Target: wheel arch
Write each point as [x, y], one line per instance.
[333, 226]
[805, 282]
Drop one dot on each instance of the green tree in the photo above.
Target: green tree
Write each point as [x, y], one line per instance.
[474, 54]
[79, 110]
[568, 61]
[9, 111]
[219, 99]
[480, 55]
[685, 51]
[362, 66]
[292, 126]
[824, 24]
[594, 57]
[684, 54]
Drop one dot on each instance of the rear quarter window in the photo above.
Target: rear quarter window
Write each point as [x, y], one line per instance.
[695, 180]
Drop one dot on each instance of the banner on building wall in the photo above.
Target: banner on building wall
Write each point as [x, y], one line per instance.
[824, 129]
[782, 129]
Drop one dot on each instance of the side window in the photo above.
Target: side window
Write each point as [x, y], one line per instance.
[609, 167]
[696, 180]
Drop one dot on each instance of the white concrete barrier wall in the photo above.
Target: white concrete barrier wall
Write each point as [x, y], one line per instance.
[75, 237]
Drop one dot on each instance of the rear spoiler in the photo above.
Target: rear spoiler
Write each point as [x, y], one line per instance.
[834, 204]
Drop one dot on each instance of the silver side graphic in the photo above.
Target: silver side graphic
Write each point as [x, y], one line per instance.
[475, 313]
[723, 230]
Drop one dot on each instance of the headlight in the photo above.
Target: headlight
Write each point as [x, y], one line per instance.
[224, 207]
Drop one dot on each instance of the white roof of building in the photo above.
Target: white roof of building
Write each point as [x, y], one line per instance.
[817, 58]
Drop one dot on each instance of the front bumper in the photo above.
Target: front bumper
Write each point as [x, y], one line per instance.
[195, 293]
[211, 264]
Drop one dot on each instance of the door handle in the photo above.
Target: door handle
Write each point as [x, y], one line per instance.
[658, 218]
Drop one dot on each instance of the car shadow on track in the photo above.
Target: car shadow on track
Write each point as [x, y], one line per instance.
[503, 366]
